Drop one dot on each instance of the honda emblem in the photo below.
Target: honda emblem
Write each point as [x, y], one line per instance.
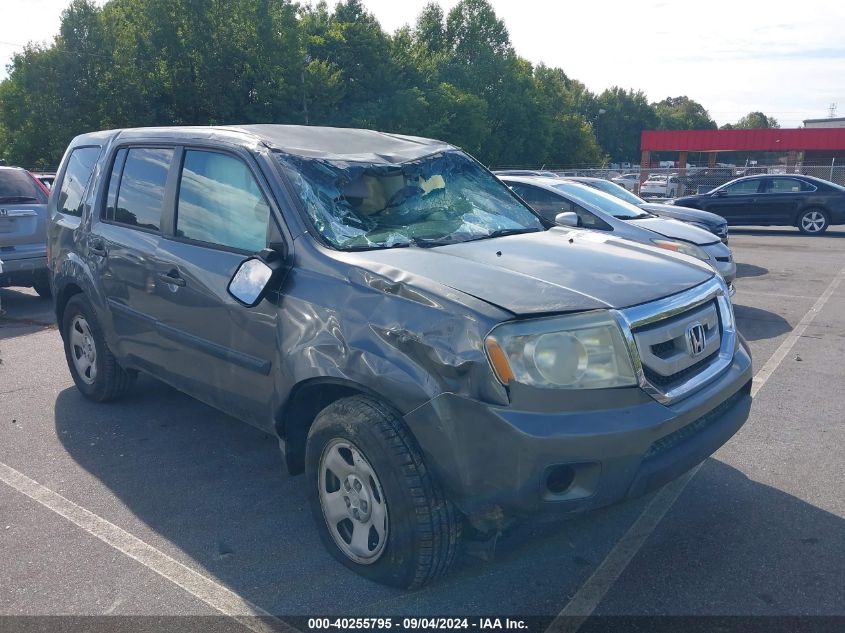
[696, 339]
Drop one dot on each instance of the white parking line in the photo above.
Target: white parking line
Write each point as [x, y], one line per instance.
[593, 591]
[212, 593]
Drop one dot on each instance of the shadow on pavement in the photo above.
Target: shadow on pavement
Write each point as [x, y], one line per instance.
[785, 232]
[734, 546]
[213, 488]
[756, 324]
[24, 312]
[750, 270]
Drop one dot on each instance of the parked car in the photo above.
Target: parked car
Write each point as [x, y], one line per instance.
[717, 225]
[47, 178]
[631, 182]
[704, 180]
[525, 172]
[23, 215]
[660, 186]
[427, 349]
[599, 211]
[811, 204]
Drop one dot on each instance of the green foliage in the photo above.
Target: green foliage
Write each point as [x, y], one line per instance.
[619, 120]
[451, 76]
[753, 120]
[682, 113]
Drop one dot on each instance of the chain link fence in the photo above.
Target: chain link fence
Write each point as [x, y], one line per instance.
[672, 182]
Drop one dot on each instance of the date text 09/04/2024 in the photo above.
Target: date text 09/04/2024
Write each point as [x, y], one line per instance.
[416, 623]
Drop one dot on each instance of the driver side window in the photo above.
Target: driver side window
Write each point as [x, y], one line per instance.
[546, 203]
[742, 188]
[220, 203]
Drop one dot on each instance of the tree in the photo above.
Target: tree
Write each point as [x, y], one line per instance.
[621, 117]
[682, 113]
[755, 120]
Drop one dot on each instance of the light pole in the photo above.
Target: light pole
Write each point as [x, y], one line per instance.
[305, 61]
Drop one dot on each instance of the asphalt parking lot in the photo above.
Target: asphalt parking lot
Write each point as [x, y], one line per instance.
[759, 529]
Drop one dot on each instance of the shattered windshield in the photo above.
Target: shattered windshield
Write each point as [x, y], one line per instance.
[441, 199]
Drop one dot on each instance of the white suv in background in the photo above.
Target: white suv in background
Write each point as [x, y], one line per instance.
[660, 186]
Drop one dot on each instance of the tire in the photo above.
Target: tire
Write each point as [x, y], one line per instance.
[103, 379]
[813, 221]
[421, 530]
[42, 286]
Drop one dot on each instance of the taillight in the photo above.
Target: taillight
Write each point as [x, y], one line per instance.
[40, 184]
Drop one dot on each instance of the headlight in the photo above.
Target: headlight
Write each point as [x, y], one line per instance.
[581, 351]
[687, 248]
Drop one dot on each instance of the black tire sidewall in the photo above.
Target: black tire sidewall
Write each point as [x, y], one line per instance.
[805, 212]
[397, 564]
[79, 306]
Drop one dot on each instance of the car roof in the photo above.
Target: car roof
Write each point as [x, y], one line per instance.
[328, 143]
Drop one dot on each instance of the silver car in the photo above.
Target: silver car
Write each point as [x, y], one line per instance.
[590, 208]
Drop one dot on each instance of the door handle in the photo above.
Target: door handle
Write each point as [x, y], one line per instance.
[172, 278]
[97, 247]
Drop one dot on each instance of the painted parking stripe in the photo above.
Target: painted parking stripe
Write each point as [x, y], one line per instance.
[593, 591]
[209, 591]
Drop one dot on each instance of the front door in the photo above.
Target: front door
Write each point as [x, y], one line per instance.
[735, 202]
[226, 352]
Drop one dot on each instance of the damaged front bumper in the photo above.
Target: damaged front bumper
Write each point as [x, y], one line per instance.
[505, 461]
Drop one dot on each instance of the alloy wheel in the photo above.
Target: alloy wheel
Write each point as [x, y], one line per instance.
[353, 503]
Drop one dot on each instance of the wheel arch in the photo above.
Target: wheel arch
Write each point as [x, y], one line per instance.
[306, 400]
[63, 295]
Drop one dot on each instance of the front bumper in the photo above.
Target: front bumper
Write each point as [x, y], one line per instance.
[616, 444]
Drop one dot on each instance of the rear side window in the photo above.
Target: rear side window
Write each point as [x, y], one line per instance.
[80, 165]
[140, 192]
[220, 202]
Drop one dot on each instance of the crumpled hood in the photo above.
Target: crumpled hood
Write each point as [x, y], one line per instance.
[683, 213]
[558, 270]
[676, 229]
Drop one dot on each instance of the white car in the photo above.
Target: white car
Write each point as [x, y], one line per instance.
[660, 186]
[630, 181]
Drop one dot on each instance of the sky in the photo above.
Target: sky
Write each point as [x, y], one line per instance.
[786, 59]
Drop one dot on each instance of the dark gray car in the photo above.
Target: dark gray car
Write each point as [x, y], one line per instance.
[426, 348]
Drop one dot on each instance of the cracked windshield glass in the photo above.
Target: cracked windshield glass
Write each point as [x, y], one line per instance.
[441, 199]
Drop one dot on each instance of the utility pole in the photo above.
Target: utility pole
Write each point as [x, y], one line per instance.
[306, 60]
[831, 111]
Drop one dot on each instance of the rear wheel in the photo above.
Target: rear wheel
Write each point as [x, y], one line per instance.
[813, 222]
[379, 510]
[94, 369]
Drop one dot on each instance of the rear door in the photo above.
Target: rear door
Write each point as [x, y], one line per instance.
[221, 351]
[781, 198]
[123, 242]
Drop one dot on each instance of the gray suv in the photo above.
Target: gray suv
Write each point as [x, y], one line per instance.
[429, 351]
[23, 227]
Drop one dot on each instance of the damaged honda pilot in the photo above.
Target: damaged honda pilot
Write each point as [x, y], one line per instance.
[429, 351]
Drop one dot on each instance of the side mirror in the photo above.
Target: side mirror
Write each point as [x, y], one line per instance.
[720, 193]
[567, 218]
[251, 280]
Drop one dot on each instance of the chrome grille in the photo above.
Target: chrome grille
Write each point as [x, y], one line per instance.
[667, 366]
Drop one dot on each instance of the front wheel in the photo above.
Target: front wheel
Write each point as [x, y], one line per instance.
[813, 222]
[379, 510]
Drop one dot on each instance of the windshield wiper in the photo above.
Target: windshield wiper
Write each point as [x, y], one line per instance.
[18, 199]
[502, 233]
